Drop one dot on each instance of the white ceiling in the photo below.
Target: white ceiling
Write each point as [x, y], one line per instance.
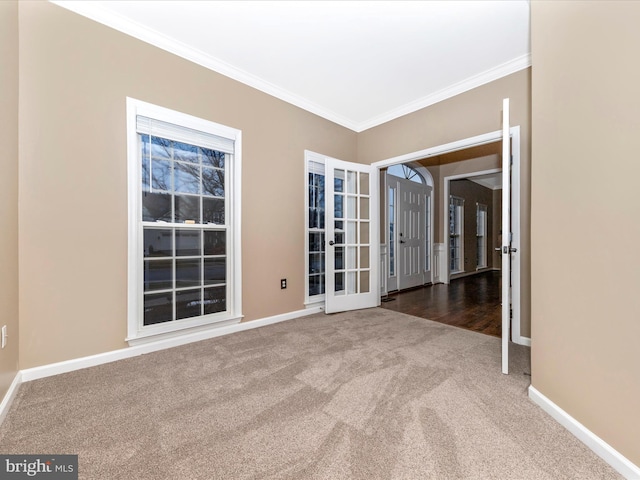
[357, 63]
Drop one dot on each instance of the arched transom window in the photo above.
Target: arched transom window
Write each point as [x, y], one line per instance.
[404, 171]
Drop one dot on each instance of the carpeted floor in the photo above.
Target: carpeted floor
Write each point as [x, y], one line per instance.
[372, 394]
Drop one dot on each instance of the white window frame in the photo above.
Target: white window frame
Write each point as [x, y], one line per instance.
[459, 218]
[428, 233]
[310, 301]
[392, 240]
[136, 331]
[481, 235]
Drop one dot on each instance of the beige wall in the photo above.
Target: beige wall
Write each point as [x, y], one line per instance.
[585, 212]
[74, 77]
[472, 194]
[9, 188]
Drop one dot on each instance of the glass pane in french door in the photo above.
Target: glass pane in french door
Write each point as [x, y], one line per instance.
[352, 232]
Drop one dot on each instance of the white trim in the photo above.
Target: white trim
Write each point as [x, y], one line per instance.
[526, 341]
[605, 451]
[130, 352]
[384, 290]
[7, 401]
[439, 259]
[125, 25]
[441, 149]
[135, 328]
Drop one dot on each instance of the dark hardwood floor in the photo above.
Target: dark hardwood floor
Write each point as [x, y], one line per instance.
[470, 302]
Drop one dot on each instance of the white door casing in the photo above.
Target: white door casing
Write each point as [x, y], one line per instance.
[352, 236]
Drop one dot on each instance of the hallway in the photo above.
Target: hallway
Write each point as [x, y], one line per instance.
[471, 302]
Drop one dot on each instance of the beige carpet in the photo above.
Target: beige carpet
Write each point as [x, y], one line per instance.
[366, 395]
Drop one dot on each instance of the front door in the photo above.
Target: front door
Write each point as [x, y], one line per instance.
[352, 248]
[408, 233]
[411, 234]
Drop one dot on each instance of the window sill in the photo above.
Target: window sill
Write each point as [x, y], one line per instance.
[180, 333]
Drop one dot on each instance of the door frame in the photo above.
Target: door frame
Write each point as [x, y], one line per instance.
[475, 141]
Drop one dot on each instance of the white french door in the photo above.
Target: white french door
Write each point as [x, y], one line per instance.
[352, 236]
[506, 247]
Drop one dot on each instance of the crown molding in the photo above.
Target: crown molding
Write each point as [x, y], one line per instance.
[125, 25]
[507, 68]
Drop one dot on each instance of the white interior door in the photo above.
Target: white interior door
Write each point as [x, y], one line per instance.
[506, 236]
[411, 234]
[352, 235]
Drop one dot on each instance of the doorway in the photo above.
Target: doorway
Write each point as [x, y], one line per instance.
[408, 227]
[457, 156]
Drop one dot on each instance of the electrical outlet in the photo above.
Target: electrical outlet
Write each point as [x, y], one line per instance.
[4, 336]
[283, 283]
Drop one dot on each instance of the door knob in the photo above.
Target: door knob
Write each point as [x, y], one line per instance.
[331, 242]
[402, 241]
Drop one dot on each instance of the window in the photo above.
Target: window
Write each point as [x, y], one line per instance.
[456, 231]
[392, 231]
[315, 228]
[406, 172]
[427, 236]
[184, 211]
[481, 236]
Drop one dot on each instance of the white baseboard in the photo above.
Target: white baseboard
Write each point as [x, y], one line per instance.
[526, 341]
[590, 439]
[133, 351]
[9, 396]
